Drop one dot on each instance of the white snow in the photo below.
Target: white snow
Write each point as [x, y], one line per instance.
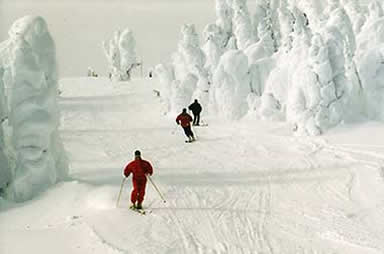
[246, 187]
[272, 75]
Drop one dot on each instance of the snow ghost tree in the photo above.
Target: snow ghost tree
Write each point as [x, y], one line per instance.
[369, 61]
[224, 15]
[181, 92]
[127, 54]
[356, 14]
[264, 47]
[278, 82]
[166, 77]
[212, 48]
[189, 58]
[112, 53]
[286, 27]
[188, 64]
[313, 102]
[260, 13]
[242, 24]
[231, 86]
[33, 113]
[375, 10]
[5, 167]
[121, 55]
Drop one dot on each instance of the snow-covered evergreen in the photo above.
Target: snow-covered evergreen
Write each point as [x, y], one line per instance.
[37, 157]
[224, 14]
[121, 55]
[231, 86]
[242, 24]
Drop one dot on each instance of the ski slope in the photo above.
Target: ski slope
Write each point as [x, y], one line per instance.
[246, 187]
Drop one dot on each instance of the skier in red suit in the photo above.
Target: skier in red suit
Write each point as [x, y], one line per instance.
[140, 169]
[184, 119]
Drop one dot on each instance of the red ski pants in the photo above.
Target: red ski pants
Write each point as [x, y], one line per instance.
[138, 191]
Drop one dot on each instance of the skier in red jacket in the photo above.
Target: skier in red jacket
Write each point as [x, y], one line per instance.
[185, 120]
[140, 169]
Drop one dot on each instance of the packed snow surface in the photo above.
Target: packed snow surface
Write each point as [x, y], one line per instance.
[245, 187]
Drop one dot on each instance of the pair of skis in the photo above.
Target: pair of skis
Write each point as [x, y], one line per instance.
[140, 211]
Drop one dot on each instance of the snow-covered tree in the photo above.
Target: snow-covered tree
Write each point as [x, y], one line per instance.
[33, 115]
[121, 55]
[375, 11]
[127, 50]
[356, 13]
[369, 58]
[259, 14]
[212, 48]
[231, 86]
[189, 58]
[188, 64]
[266, 11]
[314, 102]
[112, 53]
[5, 168]
[242, 24]
[166, 76]
[264, 47]
[287, 20]
[181, 93]
[224, 15]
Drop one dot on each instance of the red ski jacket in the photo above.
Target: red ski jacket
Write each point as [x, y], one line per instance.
[139, 168]
[185, 119]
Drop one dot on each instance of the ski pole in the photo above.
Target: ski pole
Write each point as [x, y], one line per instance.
[121, 189]
[157, 189]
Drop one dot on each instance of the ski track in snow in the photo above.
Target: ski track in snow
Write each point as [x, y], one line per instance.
[240, 188]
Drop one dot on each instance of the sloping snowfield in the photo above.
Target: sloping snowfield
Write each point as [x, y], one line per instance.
[247, 187]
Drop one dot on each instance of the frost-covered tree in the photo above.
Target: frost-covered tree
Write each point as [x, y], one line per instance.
[264, 47]
[266, 16]
[259, 14]
[188, 64]
[127, 48]
[286, 27]
[369, 58]
[33, 115]
[314, 104]
[121, 55]
[375, 11]
[111, 51]
[5, 167]
[189, 57]
[228, 94]
[356, 13]
[166, 76]
[242, 24]
[224, 14]
[212, 48]
[181, 92]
